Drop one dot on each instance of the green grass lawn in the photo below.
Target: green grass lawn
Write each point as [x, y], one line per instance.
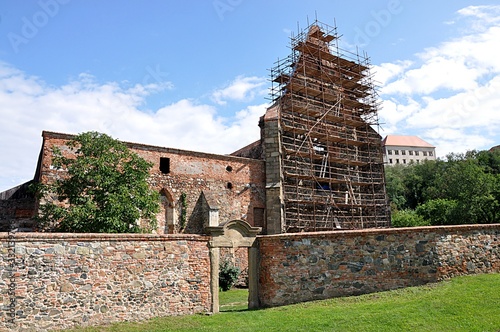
[233, 300]
[470, 303]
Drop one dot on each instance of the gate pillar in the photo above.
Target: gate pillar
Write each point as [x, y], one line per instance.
[234, 234]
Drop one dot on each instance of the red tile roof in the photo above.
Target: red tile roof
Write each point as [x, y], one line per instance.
[399, 140]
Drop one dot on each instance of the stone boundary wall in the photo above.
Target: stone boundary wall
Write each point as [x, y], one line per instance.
[312, 266]
[63, 280]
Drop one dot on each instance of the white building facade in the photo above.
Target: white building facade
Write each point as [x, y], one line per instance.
[406, 150]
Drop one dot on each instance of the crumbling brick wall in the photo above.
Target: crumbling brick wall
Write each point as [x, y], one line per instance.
[17, 214]
[238, 184]
[17, 208]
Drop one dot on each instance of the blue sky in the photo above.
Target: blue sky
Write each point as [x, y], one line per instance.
[194, 74]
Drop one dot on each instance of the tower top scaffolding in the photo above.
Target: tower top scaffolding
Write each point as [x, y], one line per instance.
[331, 157]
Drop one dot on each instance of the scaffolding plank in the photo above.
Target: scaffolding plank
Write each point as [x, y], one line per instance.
[318, 34]
[310, 48]
[327, 102]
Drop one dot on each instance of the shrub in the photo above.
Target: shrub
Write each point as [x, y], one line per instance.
[408, 218]
[228, 274]
[440, 211]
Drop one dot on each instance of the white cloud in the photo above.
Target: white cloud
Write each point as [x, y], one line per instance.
[449, 93]
[240, 89]
[482, 15]
[435, 74]
[387, 71]
[455, 140]
[455, 65]
[30, 106]
[474, 108]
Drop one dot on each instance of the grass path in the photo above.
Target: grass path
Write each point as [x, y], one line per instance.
[470, 303]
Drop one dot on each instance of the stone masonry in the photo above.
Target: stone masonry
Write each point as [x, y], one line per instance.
[274, 177]
[312, 266]
[56, 281]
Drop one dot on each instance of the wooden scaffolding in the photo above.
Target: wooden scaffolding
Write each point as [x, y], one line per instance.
[332, 164]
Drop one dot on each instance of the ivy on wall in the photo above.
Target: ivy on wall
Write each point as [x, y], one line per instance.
[183, 220]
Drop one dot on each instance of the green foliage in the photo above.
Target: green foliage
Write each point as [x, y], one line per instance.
[489, 160]
[408, 218]
[183, 220]
[228, 275]
[462, 189]
[104, 189]
[395, 187]
[439, 211]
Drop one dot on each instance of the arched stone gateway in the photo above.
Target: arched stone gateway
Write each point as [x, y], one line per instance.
[234, 234]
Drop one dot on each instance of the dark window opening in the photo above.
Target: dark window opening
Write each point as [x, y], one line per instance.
[229, 185]
[323, 186]
[258, 217]
[229, 169]
[165, 165]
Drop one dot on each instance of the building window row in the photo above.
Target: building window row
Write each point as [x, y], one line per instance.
[410, 152]
[404, 161]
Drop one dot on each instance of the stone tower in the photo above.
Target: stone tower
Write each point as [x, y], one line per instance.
[324, 159]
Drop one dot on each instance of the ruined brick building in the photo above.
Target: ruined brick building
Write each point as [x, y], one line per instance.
[318, 165]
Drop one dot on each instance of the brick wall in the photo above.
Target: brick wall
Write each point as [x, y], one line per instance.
[61, 280]
[309, 266]
[17, 214]
[17, 208]
[237, 184]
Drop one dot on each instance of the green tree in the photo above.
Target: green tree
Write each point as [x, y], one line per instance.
[463, 188]
[440, 211]
[470, 184]
[104, 189]
[407, 218]
[490, 160]
[395, 187]
[410, 185]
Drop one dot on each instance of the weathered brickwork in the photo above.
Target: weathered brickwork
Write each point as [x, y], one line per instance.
[62, 280]
[16, 214]
[17, 208]
[236, 184]
[309, 266]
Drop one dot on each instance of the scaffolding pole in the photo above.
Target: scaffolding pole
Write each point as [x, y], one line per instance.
[333, 176]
